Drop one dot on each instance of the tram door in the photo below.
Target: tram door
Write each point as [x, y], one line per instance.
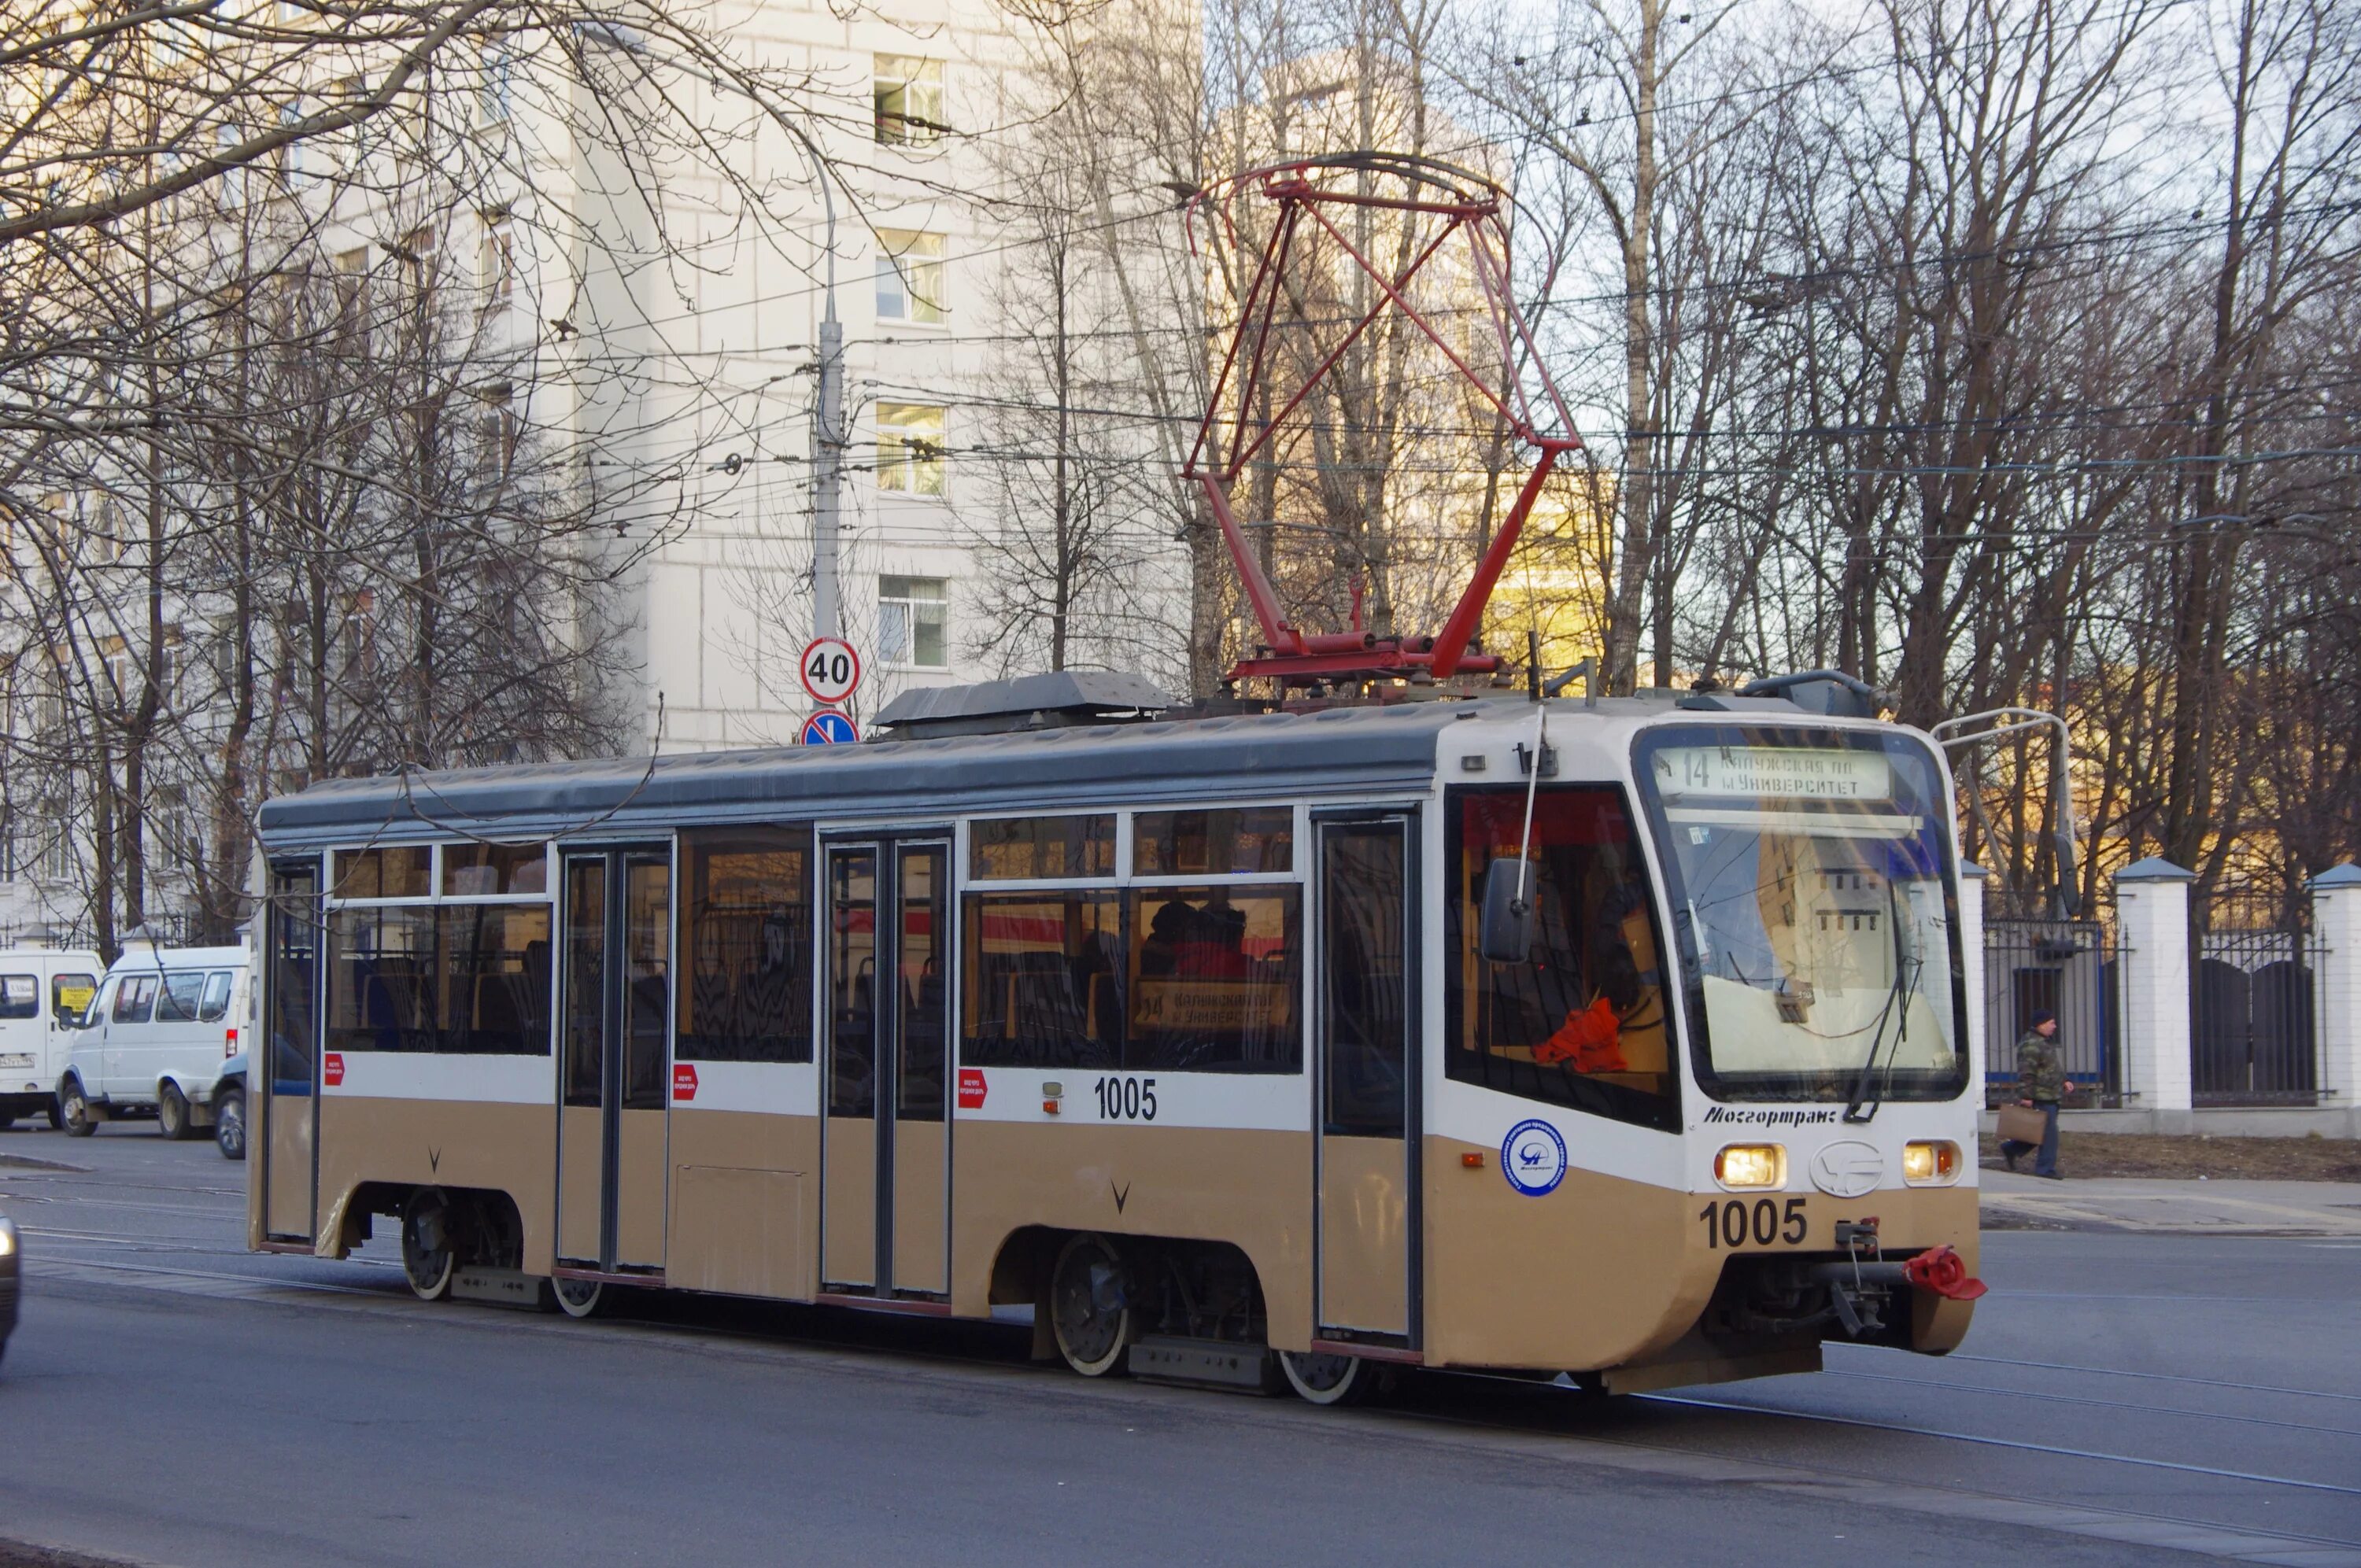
[1367, 1175]
[885, 1203]
[283, 1074]
[617, 999]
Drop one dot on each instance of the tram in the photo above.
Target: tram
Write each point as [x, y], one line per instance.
[1627, 1038]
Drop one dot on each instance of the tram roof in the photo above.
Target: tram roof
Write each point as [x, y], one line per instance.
[1243, 755]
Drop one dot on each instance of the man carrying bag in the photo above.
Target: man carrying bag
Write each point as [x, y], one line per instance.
[2041, 1084]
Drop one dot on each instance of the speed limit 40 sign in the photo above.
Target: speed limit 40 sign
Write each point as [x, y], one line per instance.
[831, 670]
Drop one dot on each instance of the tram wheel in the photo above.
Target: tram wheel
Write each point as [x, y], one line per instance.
[1090, 1306]
[579, 1298]
[1326, 1379]
[428, 1258]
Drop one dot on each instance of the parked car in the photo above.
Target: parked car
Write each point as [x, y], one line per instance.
[8, 1275]
[229, 1108]
[154, 1039]
[43, 993]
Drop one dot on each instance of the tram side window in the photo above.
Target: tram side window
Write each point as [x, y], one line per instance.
[1043, 848]
[382, 874]
[1214, 976]
[493, 968]
[1252, 842]
[382, 980]
[1582, 1021]
[493, 870]
[746, 937]
[1044, 981]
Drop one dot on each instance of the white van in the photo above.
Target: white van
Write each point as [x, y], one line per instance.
[155, 1038]
[43, 993]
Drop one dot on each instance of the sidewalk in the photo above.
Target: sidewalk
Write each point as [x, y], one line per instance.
[2013, 1201]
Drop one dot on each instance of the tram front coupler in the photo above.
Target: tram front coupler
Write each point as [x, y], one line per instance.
[1861, 1289]
[1856, 1292]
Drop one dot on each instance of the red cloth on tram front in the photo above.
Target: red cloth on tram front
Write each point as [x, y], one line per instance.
[1590, 1039]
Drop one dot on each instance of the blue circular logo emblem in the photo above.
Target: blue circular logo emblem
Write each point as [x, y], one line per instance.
[1533, 1156]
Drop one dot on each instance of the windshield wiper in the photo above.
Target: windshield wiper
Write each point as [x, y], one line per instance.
[1860, 1110]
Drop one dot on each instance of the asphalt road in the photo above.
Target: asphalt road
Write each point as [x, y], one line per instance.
[170, 1399]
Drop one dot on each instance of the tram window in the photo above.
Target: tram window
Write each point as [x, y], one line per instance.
[1044, 848]
[1213, 980]
[746, 936]
[490, 871]
[647, 979]
[1043, 977]
[494, 970]
[294, 927]
[582, 1072]
[1231, 842]
[852, 974]
[1582, 1020]
[382, 873]
[382, 980]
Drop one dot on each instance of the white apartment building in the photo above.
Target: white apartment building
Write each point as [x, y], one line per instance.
[655, 317]
[724, 339]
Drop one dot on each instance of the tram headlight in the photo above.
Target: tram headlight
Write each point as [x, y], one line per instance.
[1744, 1168]
[1933, 1164]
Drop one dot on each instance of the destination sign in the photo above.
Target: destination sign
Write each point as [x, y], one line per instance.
[1773, 773]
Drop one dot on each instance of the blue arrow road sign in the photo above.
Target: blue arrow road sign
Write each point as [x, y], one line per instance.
[829, 728]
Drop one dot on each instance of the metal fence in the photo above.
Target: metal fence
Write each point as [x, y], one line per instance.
[2064, 967]
[2254, 1034]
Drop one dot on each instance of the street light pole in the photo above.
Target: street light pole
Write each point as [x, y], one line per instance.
[828, 434]
[828, 462]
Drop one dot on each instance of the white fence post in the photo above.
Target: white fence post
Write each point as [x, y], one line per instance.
[2152, 933]
[1974, 880]
[2336, 926]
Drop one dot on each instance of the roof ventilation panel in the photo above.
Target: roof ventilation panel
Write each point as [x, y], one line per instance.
[1062, 699]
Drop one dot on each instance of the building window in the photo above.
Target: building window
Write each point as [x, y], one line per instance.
[912, 616]
[910, 276]
[909, 94]
[495, 261]
[495, 435]
[910, 448]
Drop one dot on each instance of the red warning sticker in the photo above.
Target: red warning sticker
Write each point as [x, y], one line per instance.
[683, 1081]
[332, 1068]
[971, 1089]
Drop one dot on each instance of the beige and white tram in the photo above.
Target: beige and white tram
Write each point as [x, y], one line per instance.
[1180, 1031]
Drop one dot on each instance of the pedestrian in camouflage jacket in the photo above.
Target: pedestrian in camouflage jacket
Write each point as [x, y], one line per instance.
[2041, 1082]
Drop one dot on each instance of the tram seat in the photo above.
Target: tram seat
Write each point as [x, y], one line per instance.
[499, 1010]
[1041, 1005]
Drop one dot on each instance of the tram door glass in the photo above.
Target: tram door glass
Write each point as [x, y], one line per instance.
[612, 1145]
[1368, 1077]
[886, 1199]
[287, 1066]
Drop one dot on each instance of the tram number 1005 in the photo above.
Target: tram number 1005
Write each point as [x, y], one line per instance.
[1763, 1222]
[1127, 1098]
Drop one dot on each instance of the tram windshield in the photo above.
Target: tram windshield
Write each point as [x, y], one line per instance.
[1814, 910]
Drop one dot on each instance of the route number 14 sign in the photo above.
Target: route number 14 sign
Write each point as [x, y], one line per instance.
[831, 670]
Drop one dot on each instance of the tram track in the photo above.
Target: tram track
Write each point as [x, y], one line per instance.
[2276, 1390]
[2086, 1400]
[1524, 1411]
[2020, 1444]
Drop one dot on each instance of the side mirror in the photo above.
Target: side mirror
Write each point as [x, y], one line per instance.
[1505, 935]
